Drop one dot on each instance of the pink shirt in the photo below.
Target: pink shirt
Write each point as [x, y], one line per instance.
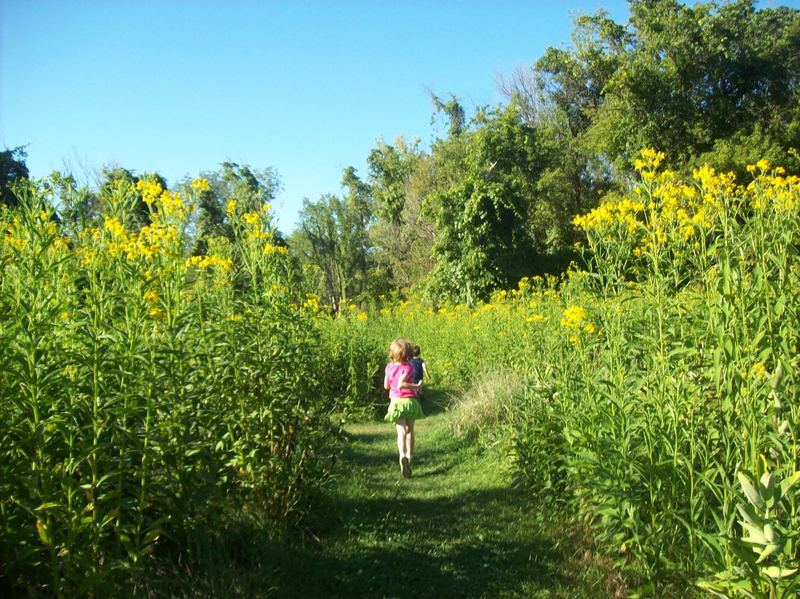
[393, 372]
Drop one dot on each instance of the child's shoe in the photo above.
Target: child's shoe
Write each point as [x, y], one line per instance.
[406, 467]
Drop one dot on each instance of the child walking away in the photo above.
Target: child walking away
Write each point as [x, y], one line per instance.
[404, 408]
[420, 370]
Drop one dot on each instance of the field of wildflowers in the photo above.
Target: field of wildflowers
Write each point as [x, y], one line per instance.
[146, 393]
[659, 401]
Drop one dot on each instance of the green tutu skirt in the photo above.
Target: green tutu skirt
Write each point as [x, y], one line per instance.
[401, 408]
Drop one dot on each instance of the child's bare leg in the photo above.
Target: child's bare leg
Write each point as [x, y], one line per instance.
[401, 437]
[409, 437]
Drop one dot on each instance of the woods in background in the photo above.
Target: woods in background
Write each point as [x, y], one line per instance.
[492, 198]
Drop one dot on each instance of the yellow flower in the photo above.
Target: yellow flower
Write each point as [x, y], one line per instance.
[275, 249]
[573, 317]
[536, 318]
[88, 256]
[312, 302]
[200, 184]
[115, 227]
[16, 243]
[170, 203]
[150, 190]
[230, 209]
[759, 371]
[210, 261]
[151, 296]
[652, 158]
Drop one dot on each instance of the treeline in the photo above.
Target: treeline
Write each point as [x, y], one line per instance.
[493, 197]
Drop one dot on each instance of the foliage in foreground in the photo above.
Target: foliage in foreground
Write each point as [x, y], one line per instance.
[660, 396]
[144, 393]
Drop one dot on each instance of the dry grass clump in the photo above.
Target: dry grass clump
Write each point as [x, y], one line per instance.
[483, 409]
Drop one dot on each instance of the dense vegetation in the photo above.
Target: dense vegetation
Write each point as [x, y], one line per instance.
[159, 348]
[653, 396]
[493, 198]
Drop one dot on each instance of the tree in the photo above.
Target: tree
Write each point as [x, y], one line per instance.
[453, 110]
[482, 241]
[688, 78]
[333, 237]
[390, 168]
[559, 96]
[709, 83]
[400, 176]
[12, 167]
[249, 188]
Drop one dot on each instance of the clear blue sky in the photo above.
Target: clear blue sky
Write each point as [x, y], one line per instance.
[306, 87]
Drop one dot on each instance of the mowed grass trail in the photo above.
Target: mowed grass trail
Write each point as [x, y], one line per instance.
[457, 528]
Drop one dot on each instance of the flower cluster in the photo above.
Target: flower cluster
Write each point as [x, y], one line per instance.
[772, 191]
[150, 243]
[165, 204]
[210, 261]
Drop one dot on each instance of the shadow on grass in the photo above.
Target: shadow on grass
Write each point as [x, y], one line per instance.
[382, 536]
[375, 452]
[465, 546]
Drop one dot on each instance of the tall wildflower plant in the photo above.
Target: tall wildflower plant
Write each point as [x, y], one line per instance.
[659, 387]
[144, 393]
[714, 336]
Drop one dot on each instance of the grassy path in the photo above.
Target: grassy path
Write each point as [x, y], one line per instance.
[455, 529]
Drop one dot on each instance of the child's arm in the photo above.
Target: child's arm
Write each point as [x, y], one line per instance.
[385, 380]
[425, 370]
[402, 383]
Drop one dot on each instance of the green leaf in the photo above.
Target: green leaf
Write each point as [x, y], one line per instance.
[765, 484]
[780, 306]
[768, 550]
[749, 489]
[717, 364]
[776, 572]
[770, 533]
[790, 482]
[728, 344]
[41, 527]
[756, 537]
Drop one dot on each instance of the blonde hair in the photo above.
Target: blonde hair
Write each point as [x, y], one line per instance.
[401, 350]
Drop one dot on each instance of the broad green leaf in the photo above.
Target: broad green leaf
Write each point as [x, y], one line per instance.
[770, 533]
[768, 550]
[752, 494]
[41, 527]
[756, 537]
[776, 572]
[788, 483]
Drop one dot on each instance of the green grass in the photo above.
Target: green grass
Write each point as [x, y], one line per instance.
[457, 528]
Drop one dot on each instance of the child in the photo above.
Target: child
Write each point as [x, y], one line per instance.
[420, 370]
[404, 407]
